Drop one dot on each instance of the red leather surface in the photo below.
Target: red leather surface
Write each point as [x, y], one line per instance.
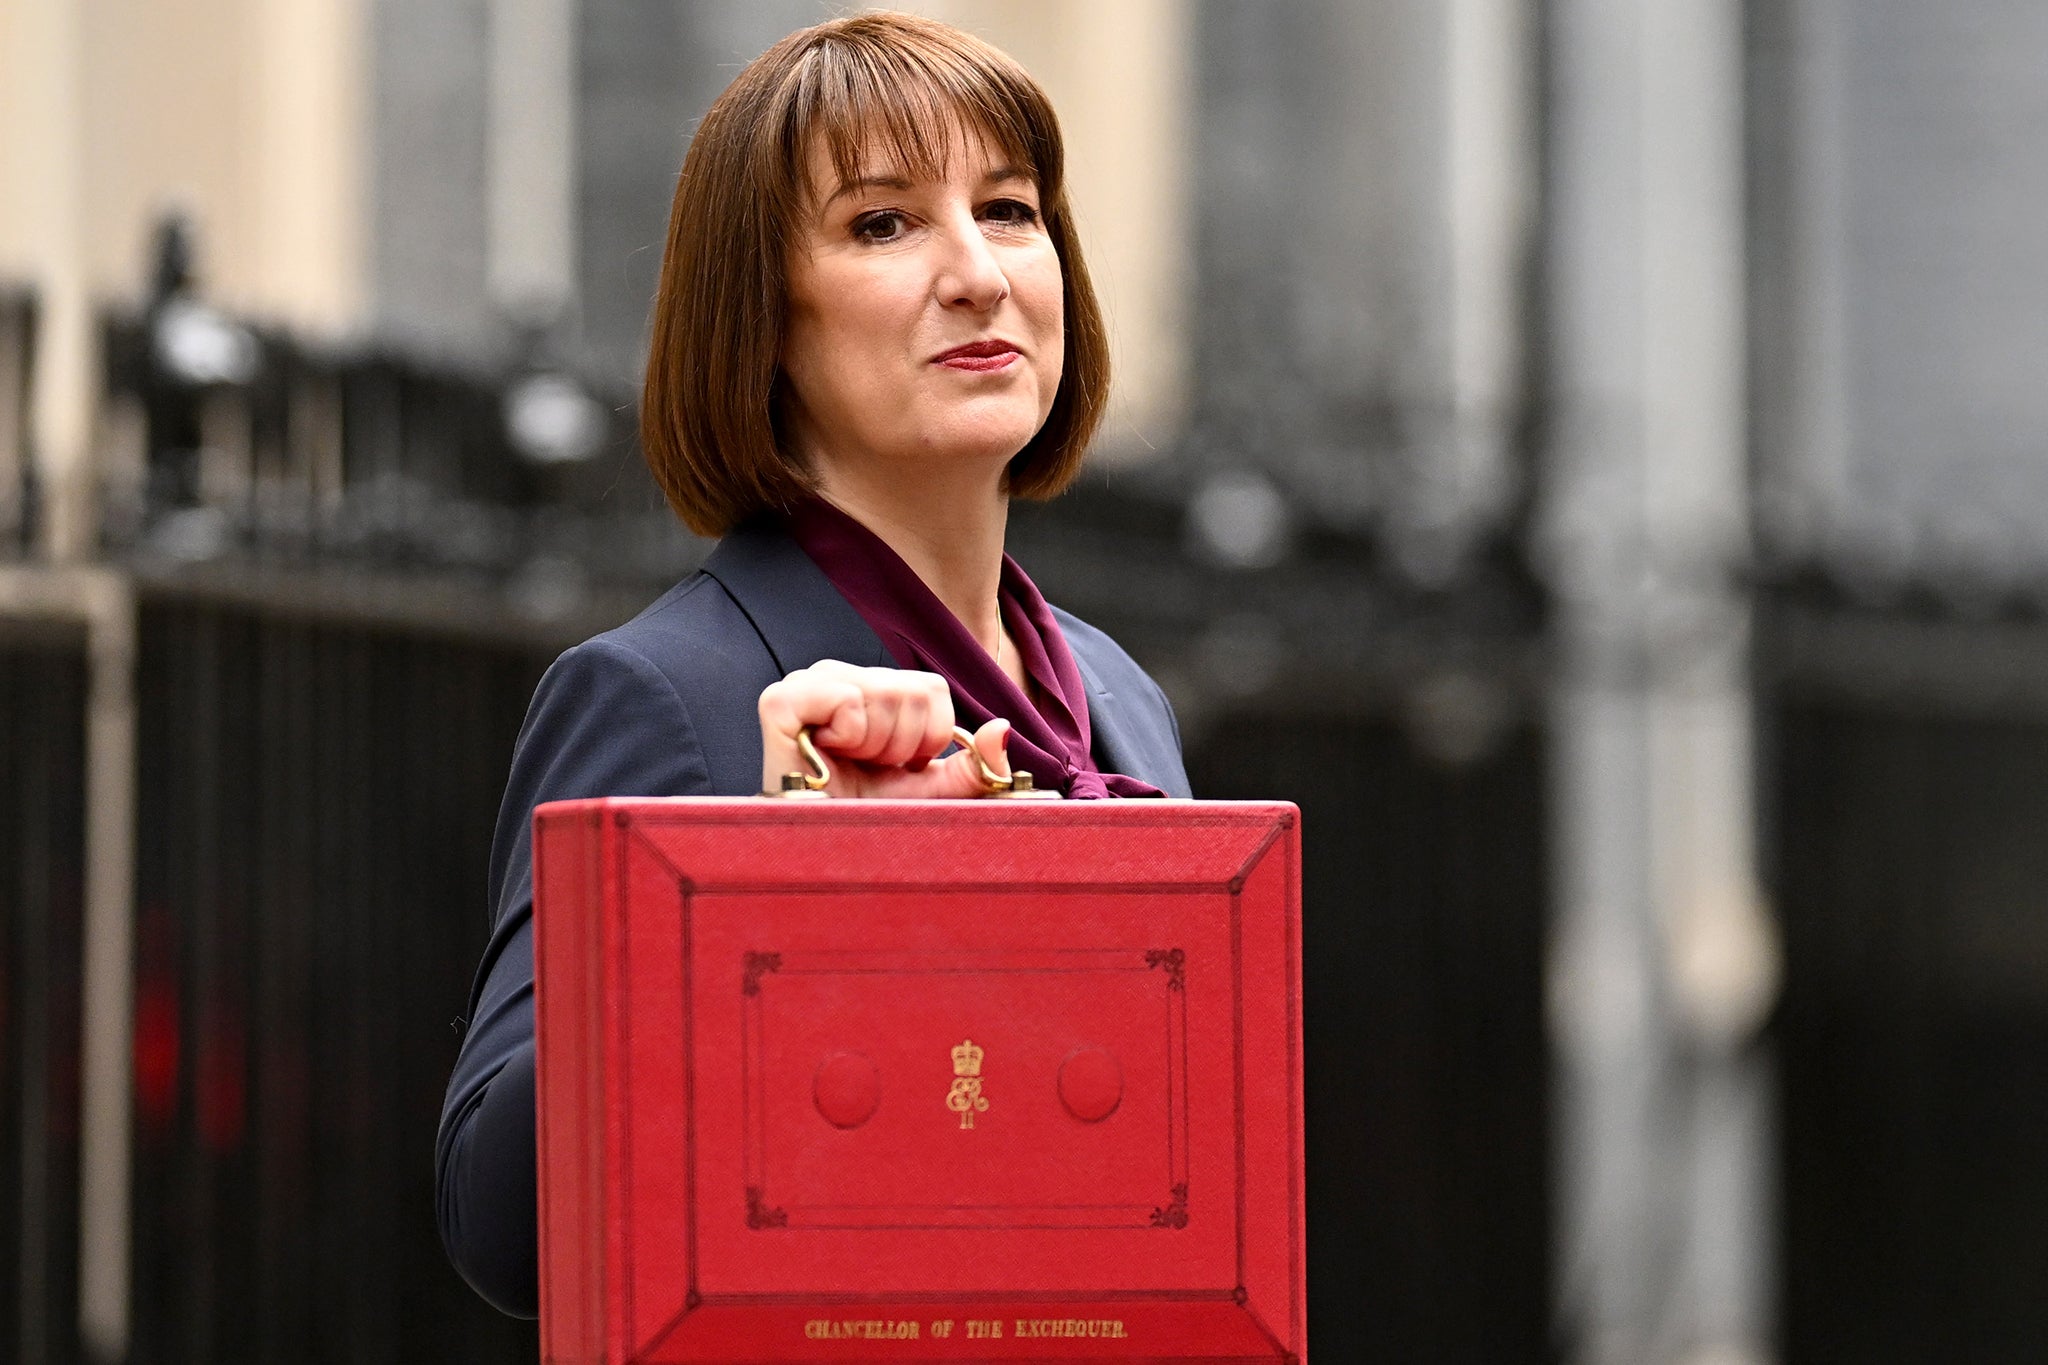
[814, 1077]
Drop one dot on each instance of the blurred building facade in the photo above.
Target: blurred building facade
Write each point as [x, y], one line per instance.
[1557, 441]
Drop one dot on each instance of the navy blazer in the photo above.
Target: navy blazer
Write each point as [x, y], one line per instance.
[665, 706]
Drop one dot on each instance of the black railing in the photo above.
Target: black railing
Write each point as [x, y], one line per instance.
[523, 480]
[43, 682]
[314, 811]
[1424, 892]
[1906, 790]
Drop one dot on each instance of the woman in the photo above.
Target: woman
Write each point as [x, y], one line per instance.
[873, 329]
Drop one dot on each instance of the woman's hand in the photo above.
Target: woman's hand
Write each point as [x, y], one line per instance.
[881, 727]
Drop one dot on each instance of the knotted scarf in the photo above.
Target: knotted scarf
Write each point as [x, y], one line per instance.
[1049, 734]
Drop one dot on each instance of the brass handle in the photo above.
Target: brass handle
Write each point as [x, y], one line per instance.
[810, 785]
[1017, 786]
[820, 771]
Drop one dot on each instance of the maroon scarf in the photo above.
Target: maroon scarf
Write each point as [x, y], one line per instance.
[1048, 740]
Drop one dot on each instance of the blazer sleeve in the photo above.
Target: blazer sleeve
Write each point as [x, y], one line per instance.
[1180, 756]
[604, 722]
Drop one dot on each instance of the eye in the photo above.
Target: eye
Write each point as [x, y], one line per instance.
[883, 226]
[1010, 212]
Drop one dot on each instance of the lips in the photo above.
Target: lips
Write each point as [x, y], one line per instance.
[979, 356]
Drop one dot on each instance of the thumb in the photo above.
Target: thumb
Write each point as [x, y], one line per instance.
[993, 741]
[961, 773]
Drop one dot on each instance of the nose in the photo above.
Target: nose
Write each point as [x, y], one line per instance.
[969, 274]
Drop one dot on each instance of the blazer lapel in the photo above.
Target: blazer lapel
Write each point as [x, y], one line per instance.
[799, 615]
[1109, 738]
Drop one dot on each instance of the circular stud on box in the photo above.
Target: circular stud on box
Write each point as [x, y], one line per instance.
[847, 1089]
[1091, 1084]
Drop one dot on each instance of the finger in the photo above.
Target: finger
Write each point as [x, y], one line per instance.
[955, 777]
[806, 697]
[818, 691]
[829, 697]
[801, 699]
[850, 728]
[912, 712]
[877, 722]
[937, 732]
[938, 722]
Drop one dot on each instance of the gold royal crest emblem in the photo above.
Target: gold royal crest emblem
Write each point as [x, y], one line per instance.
[965, 1098]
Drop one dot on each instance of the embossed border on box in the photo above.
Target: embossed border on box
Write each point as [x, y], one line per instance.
[1168, 965]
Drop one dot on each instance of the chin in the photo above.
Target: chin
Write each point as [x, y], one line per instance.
[984, 436]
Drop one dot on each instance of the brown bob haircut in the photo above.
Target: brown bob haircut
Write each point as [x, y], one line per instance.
[878, 83]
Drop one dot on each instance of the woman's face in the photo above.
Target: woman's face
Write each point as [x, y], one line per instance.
[925, 316]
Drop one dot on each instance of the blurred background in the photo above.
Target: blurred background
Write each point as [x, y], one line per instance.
[1591, 454]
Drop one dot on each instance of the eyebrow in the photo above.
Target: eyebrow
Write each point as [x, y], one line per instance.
[896, 182]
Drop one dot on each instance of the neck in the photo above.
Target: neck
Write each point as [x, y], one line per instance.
[950, 534]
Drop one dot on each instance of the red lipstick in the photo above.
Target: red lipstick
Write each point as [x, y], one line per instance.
[980, 357]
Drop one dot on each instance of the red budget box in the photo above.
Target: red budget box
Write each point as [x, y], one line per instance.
[897, 1080]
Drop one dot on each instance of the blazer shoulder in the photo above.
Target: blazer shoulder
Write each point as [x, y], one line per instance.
[675, 620]
[1102, 655]
[695, 635]
[698, 642]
